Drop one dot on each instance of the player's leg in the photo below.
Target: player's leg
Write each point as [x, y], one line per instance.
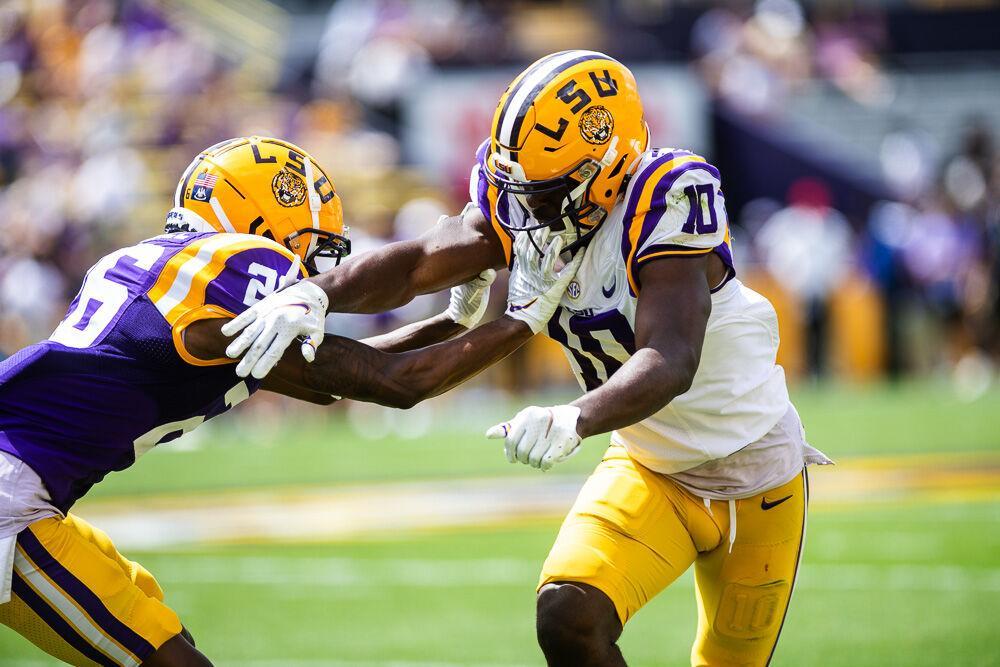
[630, 533]
[78, 599]
[138, 574]
[743, 594]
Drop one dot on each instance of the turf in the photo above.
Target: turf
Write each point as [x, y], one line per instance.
[877, 588]
[882, 584]
[255, 448]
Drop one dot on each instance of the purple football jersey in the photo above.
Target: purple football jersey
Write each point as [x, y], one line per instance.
[114, 380]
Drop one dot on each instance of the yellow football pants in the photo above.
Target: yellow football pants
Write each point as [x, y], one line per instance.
[632, 532]
[79, 600]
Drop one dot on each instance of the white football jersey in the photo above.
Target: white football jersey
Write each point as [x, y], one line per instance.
[672, 205]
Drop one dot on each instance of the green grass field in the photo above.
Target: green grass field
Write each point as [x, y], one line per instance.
[913, 580]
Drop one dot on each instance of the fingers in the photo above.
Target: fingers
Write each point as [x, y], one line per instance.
[548, 460]
[267, 361]
[569, 271]
[309, 349]
[487, 277]
[538, 451]
[238, 346]
[235, 325]
[521, 244]
[498, 431]
[514, 438]
[551, 256]
[265, 339]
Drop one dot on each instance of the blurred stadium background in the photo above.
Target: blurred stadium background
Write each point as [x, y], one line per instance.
[858, 147]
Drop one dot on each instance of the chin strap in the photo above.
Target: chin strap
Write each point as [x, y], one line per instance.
[315, 201]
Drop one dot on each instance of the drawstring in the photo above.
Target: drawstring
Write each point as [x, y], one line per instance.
[732, 519]
[732, 524]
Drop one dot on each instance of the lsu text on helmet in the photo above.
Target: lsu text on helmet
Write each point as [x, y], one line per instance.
[264, 186]
[564, 134]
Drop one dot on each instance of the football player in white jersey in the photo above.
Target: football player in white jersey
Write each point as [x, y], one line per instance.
[706, 465]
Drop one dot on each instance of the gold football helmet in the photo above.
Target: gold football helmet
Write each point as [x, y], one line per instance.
[564, 134]
[264, 186]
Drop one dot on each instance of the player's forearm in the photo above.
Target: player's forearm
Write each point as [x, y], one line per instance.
[349, 369]
[436, 369]
[452, 252]
[419, 334]
[639, 389]
[352, 288]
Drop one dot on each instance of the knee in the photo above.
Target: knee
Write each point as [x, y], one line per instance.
[575, 622]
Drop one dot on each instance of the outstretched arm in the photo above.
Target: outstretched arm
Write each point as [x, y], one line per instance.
[351, 369]
[456, 250]
[346, 368]
[466, 307]
[419, 334]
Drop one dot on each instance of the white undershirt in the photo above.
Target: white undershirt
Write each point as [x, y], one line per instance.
[23, 501]
[764, 464]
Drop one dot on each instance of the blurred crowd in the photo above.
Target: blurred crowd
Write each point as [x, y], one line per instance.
[103, 103]
[930, 248]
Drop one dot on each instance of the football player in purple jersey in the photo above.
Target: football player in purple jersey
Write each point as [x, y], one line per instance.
[140, 360]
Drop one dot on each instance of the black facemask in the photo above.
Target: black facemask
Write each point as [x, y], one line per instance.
[550, 204]
[328, 244]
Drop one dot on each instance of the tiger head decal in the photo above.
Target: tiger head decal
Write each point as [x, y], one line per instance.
[289, 188]
[596, 125]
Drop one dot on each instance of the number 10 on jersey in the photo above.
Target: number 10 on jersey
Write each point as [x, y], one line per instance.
[695, 223]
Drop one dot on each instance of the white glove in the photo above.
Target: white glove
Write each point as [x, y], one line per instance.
[270, 325]
[535, 288]
[540, 437]
[468, 301]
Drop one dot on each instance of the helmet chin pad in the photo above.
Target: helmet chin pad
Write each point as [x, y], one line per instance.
[181, 219]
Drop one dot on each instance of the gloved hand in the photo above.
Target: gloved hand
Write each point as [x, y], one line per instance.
[270, 325]
[468, 301]
[540, 437]
[536, 287]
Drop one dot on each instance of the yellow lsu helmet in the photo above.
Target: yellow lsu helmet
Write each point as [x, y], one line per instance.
[264, 186]
[564, 134]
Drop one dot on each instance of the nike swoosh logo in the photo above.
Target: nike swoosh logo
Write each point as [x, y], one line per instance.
[764, 505]
[514, 308]
[608, 292]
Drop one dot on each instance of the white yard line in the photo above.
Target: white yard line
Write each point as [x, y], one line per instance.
[350, 512]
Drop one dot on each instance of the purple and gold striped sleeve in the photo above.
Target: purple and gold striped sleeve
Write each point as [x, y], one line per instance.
[219, 276]
[489, 201]
[674, 207]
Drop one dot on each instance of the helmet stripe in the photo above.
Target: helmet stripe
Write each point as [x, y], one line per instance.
[516, 85]
[521, 99]
[182, 184]
[220, 213]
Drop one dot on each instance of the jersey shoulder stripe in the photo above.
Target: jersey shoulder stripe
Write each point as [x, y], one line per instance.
[646, 204]
[494, 207]
[182, 283]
